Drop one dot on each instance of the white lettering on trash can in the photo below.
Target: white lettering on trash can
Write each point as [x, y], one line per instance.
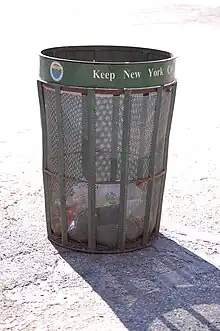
[132, 74]
[97, 74]
[155, 72]
[170, 69]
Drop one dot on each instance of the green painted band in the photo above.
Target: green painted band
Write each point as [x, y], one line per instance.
[107, 75]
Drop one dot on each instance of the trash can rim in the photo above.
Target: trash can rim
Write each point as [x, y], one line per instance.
[54, 58]
[114, 75]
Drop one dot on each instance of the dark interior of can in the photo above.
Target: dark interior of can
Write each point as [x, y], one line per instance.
[106, 54]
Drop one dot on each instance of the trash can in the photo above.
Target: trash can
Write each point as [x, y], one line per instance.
[106, 115]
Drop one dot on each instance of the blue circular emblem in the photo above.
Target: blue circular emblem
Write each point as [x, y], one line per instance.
[56, 71]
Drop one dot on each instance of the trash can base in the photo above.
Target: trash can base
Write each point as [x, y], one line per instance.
[83, 247]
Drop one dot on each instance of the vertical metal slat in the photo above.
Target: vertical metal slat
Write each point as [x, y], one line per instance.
[92, 226]
[45, 155]
[150, 188]
[124, 169]
[115, 123]
[165, 158]
[85, 141]
[61, 166]
[142, 136]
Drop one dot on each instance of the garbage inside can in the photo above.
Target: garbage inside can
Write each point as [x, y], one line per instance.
[106, 114]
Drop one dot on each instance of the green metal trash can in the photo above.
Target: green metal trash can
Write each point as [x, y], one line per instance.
[106, 115]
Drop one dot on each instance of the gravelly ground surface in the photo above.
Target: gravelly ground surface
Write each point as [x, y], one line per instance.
[175, 285]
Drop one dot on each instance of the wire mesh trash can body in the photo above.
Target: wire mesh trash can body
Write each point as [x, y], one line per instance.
[106, 114]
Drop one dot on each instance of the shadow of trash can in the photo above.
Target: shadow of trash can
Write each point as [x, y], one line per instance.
[106, 114]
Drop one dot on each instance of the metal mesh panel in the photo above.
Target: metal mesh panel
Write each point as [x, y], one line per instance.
[149, 106]
[71, 108]
[54, 189]
[104, 112]
[109, 121]
[103, 166]
[120, 132]
[72, 116]
[134, 142]
[164, 112]
[104, 108]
